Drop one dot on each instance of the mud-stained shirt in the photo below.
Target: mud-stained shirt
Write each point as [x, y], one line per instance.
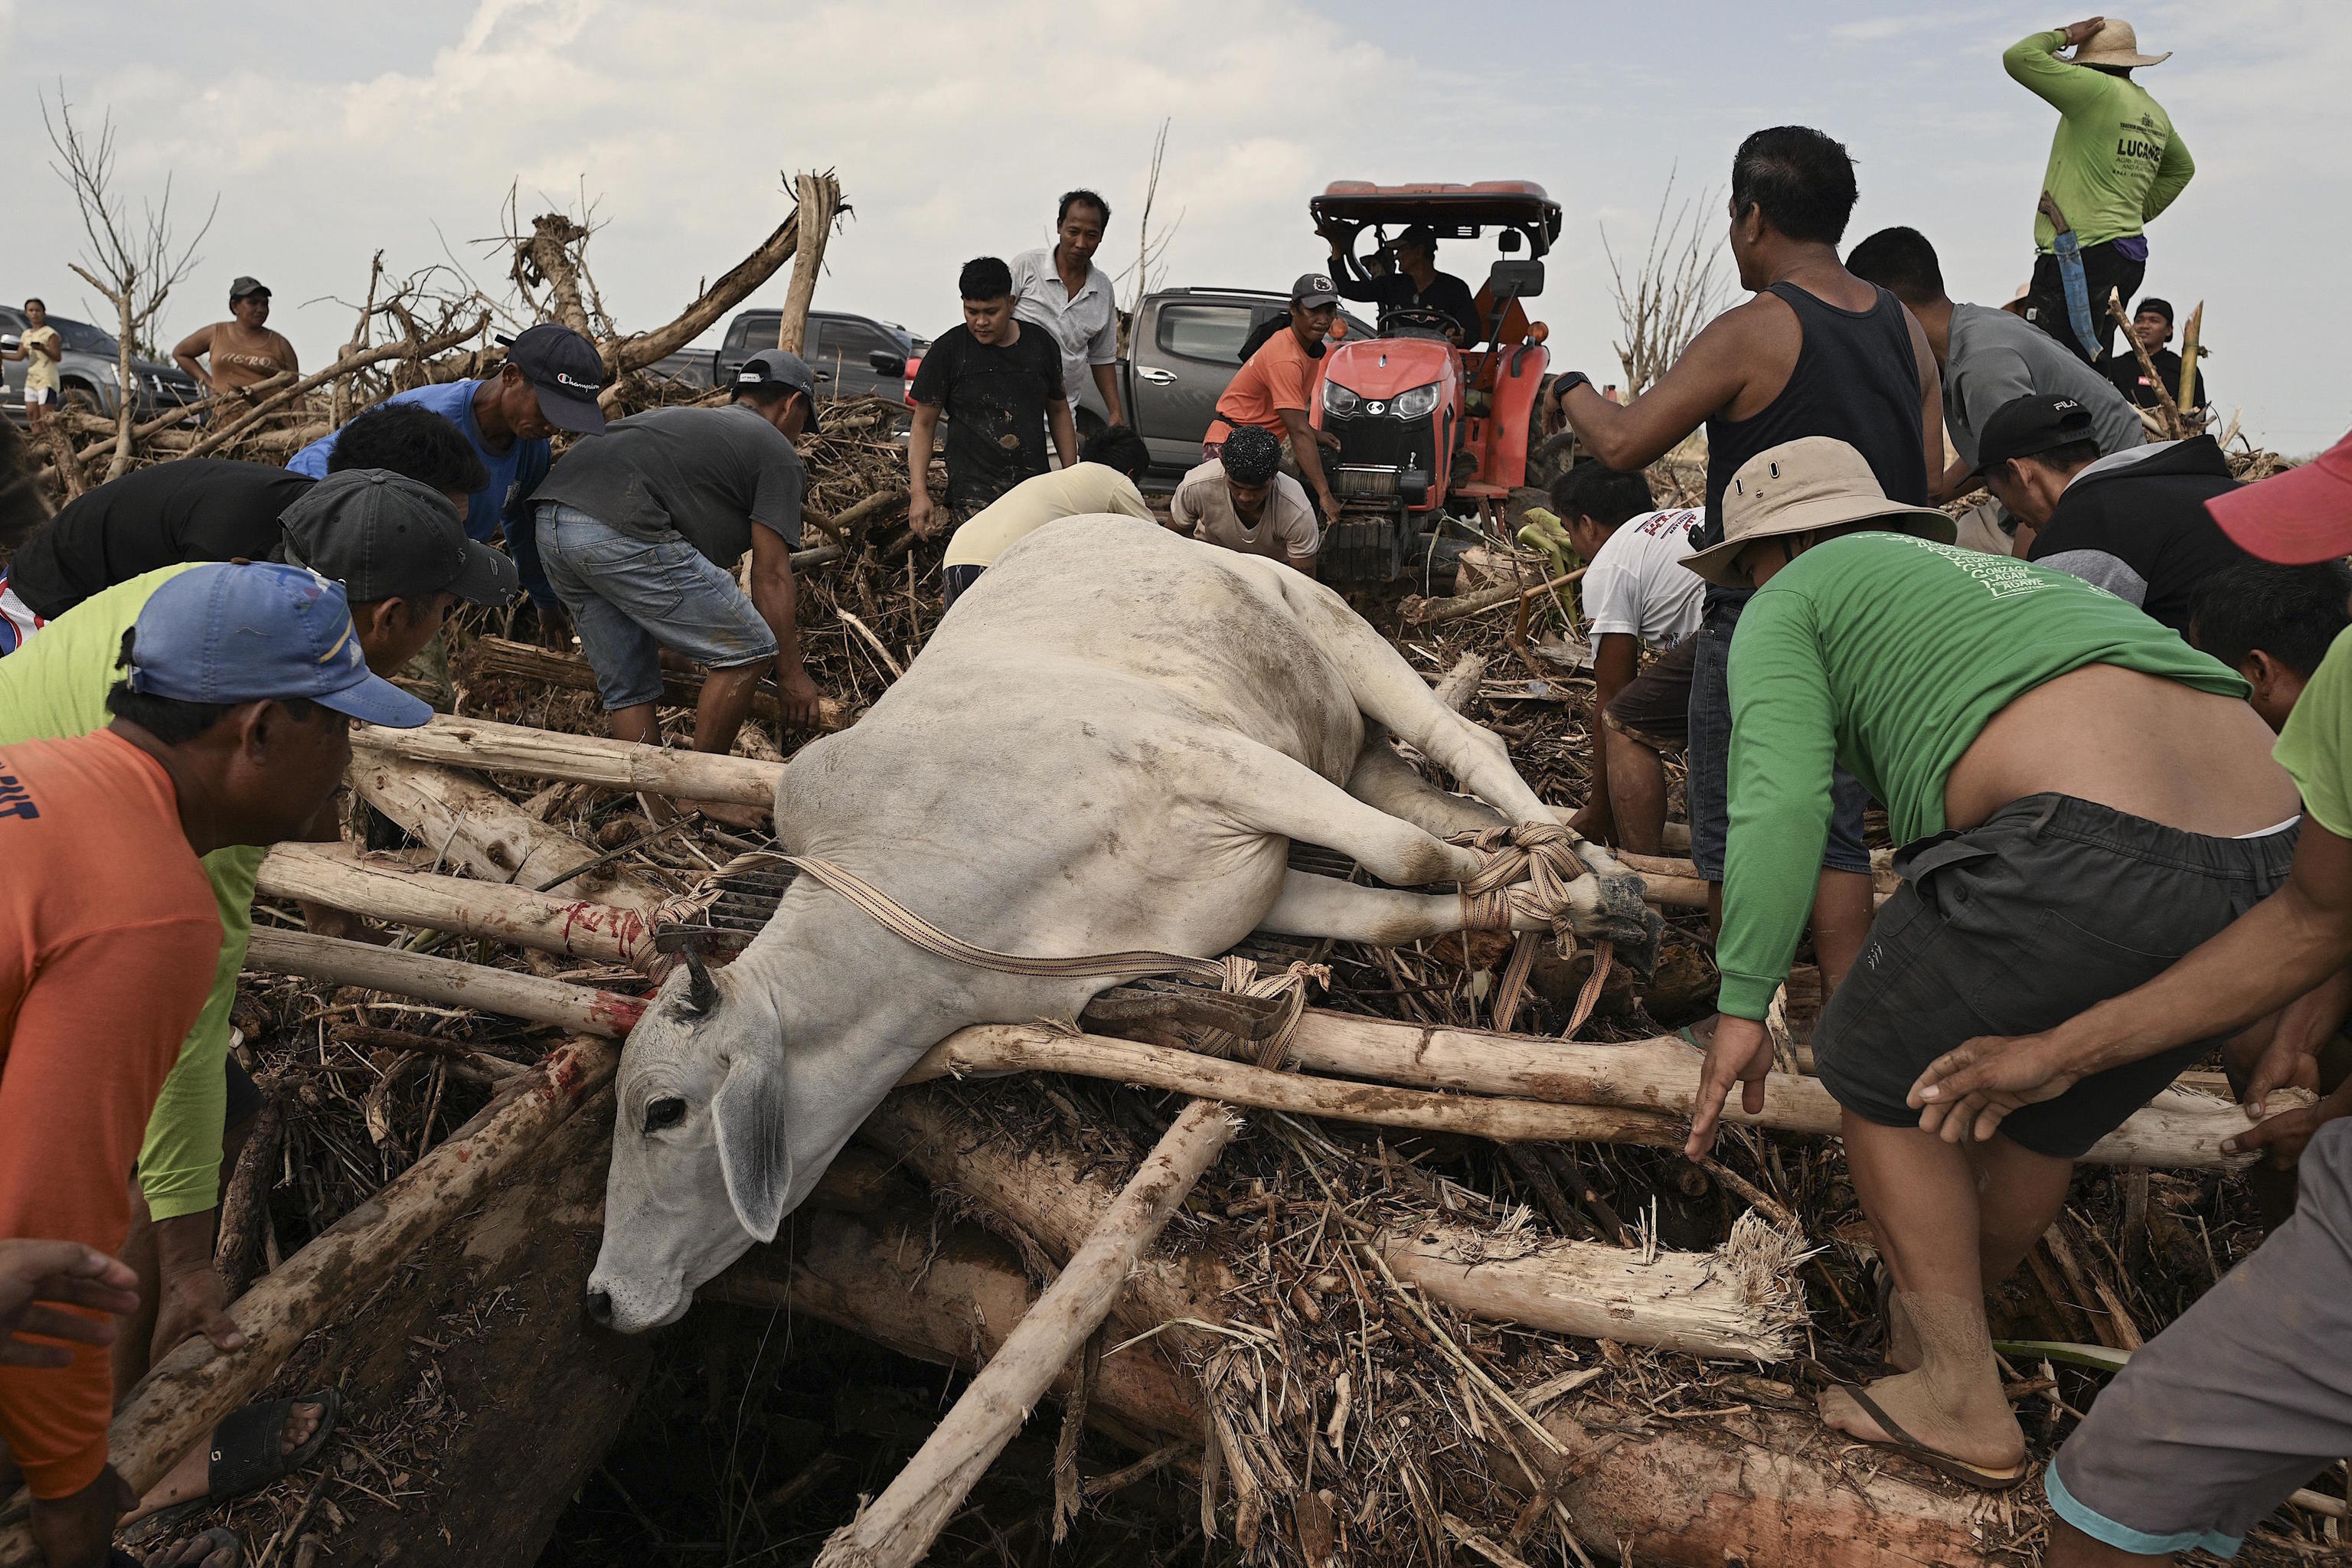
[994, 396]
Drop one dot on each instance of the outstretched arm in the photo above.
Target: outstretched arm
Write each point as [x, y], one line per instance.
[2279, 950]
[1634, 435]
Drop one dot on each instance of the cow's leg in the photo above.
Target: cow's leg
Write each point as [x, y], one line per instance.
[1325, 907]
[1386, 688]
[1384, 780]
[1260, 789]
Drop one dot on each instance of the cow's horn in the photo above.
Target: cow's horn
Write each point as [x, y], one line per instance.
[701, 991]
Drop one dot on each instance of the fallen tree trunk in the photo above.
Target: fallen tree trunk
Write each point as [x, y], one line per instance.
[186, 1391]
[580, 1009]
[1737, 1302]
[547, 922]
[680, 689]
[1772, 1492]
[462, 819]
[898, 1528]
[580, 759]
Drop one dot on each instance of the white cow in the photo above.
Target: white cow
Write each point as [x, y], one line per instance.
[1107, 745]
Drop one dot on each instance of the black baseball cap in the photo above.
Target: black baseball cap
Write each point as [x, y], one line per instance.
[2030, 426]
[1314, 290]
[246, 285]
[385, 536]
[781, 367]
[566, 372]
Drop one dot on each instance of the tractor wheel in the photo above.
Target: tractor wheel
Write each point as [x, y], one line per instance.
[1551, 457]
[1515, 509]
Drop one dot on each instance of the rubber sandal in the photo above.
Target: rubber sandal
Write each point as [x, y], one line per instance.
[1943, 1464]
[245, 1456]
[1688, 1038]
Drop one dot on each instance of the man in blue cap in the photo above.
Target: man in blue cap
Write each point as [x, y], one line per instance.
[549, 383]
[229, 726]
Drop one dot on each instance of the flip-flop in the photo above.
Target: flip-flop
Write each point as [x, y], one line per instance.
[1943, 1464]
[1689, 1038]
[245, 1455]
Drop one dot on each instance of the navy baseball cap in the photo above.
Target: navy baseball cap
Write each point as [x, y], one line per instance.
[383, 535]
[781, 367]
[2030, 426]
[232, 632]
[566, 372]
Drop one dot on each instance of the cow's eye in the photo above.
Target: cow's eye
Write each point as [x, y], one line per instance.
[664, 1113]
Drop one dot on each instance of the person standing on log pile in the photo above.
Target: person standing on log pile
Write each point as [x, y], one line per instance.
[229, 726]
[1000, 386]
[2152, 325]
[1241, 500]
[43, 351]
[1277, 390]
[642, 531]
[208, 509]
[2115, 164]
[1818, 352]
[1102, 479]
[1635, 594]
[404, 559]
[1060, 290]
[2078, 795]
[1986, 358]
[2247, 1396]
[2133, 522]
[242, 349]
[549, 383]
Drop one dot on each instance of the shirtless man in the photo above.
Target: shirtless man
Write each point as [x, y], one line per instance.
[243, 350]
[2080, 797]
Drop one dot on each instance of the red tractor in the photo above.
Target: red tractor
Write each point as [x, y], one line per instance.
[1422, 421]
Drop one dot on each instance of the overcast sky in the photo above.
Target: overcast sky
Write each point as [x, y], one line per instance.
[329, 131]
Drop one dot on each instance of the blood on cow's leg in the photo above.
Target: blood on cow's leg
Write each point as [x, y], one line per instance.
[1261, 789]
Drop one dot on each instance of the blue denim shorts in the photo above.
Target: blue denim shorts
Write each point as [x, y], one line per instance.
[1708, 783]
[631, 598]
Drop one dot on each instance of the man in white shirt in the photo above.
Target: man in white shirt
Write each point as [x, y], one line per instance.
[1240, 500]
[1062, 290]
[1636, 593]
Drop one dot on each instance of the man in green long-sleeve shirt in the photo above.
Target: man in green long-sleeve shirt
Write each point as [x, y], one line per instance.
[2115, 164]
[2080, 797]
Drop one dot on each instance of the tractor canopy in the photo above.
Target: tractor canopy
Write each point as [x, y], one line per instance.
[1518, 207]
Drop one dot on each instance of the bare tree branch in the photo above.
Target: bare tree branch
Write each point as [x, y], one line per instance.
[1674, 292]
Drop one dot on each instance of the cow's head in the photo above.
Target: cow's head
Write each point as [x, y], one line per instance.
[700, 1167]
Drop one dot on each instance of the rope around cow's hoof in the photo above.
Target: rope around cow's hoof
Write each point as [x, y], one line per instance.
[1528, 871]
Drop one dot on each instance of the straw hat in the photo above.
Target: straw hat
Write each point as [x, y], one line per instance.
[1801, 486]
[2114, 43]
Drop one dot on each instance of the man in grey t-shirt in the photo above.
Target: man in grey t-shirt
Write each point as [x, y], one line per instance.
[641, 529]
[1988, 357]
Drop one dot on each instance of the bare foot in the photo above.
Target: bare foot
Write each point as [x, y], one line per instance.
[213, 1548]
[191, 1478]
[733, 814]
[1902, 1339]
[1987, 1437]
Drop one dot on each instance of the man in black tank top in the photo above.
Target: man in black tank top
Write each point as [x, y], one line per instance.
[1817, 352]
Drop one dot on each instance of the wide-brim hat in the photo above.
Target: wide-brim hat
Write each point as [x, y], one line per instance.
[2294, 518]
[1801, 486]
[2114, 43]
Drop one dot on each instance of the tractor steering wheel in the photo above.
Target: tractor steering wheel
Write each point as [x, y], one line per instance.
[1425, 316]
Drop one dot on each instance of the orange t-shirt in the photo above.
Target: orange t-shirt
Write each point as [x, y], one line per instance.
[108, 940]
[1278, 376]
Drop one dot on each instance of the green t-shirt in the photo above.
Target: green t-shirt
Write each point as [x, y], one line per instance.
[55, 688]
[2316, 747]
[2116, 161]
[1890, 655]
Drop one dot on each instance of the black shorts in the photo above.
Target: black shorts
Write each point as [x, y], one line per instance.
[2049, 907]
[1654, 708]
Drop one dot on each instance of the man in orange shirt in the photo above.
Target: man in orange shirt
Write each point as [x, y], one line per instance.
[229, 728]
[1276, 390]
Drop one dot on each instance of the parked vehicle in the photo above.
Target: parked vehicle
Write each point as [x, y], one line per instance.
[853, 356]
[1183, 347]
[91, 378]
[1420, 422]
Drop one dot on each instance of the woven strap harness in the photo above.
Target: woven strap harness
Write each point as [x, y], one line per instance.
[1527, 871]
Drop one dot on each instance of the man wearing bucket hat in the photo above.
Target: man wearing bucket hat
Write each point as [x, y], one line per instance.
[230, 728]
[642, 530]
[2245, 1398]
[2076, 793]
[2115, 164]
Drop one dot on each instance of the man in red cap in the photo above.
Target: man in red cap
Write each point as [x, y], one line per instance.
[2248, 1395]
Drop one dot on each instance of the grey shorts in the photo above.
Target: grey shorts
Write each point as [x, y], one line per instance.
[1707, 759]
[2244, 1399]
[630, 598]
[2050, 906]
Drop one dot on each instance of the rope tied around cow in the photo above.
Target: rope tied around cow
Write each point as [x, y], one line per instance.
[1533, 870]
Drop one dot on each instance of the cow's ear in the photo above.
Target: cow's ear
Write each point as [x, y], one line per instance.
[748, 1114]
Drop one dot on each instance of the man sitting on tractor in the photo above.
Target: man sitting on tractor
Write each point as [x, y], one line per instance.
[1416, 284]
[1277, 390]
